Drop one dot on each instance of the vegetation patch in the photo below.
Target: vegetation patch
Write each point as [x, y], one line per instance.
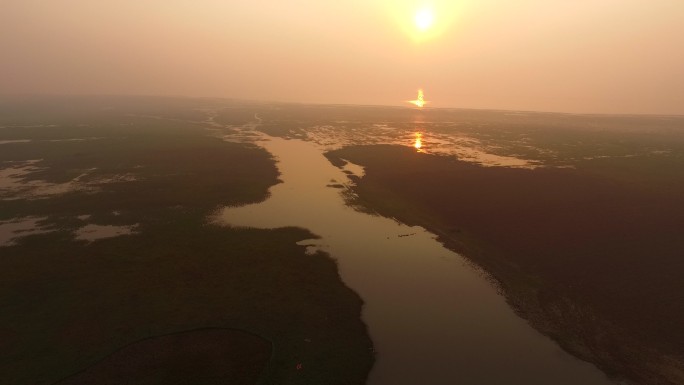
[589, 257]
[68, 304]
[208, 356]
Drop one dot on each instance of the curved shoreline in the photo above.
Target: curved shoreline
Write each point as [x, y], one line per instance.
[432, 318]
[69, 303]
[402, 184]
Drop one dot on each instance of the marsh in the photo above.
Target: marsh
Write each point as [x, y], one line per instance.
[505, 240]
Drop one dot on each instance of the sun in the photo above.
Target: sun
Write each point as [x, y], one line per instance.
[424, 19]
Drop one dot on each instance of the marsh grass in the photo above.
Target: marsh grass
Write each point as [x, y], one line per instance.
[589, 256]
[68, 304]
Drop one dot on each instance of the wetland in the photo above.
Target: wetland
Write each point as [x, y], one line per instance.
[338, 244]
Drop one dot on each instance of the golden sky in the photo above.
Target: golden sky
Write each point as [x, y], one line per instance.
[608, 56]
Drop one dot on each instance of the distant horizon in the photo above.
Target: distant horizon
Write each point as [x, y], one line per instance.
[339, 104]
[601, 57]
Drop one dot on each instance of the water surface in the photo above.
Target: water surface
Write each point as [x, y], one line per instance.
[432, 317]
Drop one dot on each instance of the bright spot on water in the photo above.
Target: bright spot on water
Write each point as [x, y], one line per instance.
[418, 141]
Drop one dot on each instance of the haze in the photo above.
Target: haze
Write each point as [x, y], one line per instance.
[605, 56]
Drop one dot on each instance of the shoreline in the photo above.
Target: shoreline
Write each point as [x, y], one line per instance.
[70, 303]
[395, 187]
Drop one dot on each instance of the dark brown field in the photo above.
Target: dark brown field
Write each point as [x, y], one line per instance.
[210, 356]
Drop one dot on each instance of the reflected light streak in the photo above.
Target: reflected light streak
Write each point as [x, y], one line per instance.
[418, 141]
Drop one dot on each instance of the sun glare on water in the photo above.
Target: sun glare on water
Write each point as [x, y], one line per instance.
[418, 141]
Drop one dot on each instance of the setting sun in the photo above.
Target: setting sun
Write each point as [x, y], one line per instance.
[424, 19]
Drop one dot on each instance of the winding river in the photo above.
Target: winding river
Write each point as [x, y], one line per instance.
[433, 318]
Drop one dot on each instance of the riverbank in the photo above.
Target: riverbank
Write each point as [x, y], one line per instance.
[68, 304]
[590, 261]
[432, 317]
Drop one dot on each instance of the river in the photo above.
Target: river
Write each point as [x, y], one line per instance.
[433, 318]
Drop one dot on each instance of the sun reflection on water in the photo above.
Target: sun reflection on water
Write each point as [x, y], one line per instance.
[418, 141]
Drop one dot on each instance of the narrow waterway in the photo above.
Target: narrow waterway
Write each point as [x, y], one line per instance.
[433, 318]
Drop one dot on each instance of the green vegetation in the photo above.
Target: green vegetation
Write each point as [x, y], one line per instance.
[65, 305]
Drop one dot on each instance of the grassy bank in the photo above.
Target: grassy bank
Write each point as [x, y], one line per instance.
[591, 257]
[68, 304]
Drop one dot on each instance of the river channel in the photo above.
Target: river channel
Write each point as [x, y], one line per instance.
[433, 318]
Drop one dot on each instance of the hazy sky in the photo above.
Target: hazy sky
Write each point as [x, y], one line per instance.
[624, 56]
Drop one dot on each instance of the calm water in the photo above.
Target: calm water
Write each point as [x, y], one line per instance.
[433, 319]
